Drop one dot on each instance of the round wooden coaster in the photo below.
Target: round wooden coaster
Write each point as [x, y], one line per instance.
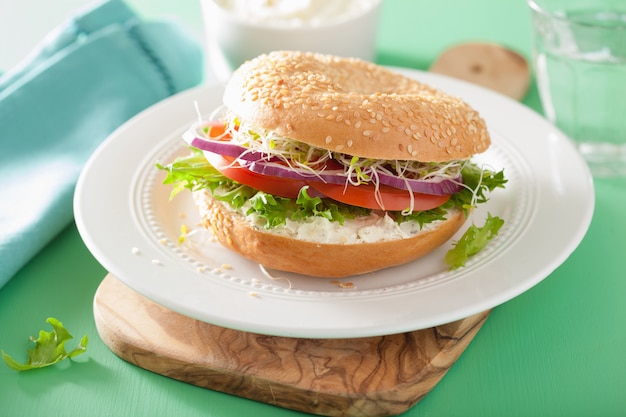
[488, 65]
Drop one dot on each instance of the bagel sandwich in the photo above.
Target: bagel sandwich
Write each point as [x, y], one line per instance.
[332, 167]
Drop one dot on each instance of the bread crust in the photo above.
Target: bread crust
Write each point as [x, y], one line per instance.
[354, 107]
[317, 259]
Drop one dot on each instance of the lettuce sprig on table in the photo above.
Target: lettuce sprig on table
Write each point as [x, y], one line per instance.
[49, 348]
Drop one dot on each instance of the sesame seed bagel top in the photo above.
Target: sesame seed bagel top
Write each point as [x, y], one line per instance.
[354, 107]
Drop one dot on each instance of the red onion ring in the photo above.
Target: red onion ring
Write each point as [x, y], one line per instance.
[221, 147]
[434, 187]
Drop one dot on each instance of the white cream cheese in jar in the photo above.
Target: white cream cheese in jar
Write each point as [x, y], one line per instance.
[295, 13]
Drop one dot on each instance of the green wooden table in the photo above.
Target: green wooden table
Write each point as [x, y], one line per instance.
[557, 350]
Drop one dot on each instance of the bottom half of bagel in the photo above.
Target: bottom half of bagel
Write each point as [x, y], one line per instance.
[328, 254]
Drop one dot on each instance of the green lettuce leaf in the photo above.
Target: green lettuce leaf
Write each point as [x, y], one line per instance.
[482, 181]
[272, 208]
[473, 241]
[193, 172]
[315, 206]
[49, 348]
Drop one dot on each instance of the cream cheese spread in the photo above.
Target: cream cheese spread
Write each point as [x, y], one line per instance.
[295, 13]
[368, 229]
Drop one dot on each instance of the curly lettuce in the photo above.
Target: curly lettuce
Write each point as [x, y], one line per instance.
[49, 348]
[473, 241]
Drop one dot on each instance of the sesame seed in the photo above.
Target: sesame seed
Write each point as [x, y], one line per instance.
[328, 139]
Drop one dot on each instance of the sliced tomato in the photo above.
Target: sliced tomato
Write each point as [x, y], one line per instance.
[215, 129]
[392, 199]
[283, 187]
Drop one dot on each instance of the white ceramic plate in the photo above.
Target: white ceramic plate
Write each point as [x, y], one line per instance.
[125, 219]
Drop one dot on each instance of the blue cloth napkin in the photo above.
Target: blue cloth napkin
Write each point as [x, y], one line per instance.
[95, 71]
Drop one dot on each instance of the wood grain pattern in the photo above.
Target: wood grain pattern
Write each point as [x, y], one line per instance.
[372, 376]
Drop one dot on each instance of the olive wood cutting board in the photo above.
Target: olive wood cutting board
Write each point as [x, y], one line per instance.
[370, 376]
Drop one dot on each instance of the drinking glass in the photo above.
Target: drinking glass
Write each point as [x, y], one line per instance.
[580, 62]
